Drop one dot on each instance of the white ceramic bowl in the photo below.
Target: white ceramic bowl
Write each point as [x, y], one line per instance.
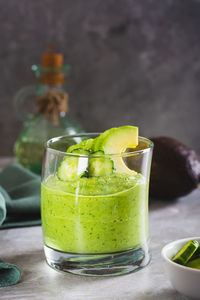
[185, 280]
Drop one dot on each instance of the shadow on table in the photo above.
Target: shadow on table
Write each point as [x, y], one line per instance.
[33, 265]
[159, 203]
[156, 204]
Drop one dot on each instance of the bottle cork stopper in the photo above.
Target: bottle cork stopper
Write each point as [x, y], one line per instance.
[51, 58]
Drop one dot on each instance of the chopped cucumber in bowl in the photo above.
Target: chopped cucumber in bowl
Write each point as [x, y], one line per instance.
[186, 252]
[185, 277]
[189, 255]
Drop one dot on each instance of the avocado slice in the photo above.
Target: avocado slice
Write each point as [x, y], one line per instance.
[116, 141]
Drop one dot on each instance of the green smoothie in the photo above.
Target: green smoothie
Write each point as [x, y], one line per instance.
[95, 215]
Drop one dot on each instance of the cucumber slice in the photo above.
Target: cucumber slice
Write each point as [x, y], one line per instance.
[86, 145]
[72, 168]
[196, 254]
[116, 141]
[186, 252]
[100, 166]
[194, 263]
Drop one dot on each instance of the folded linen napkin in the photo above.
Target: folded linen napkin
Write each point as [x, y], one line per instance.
[9, 274]
[19, 206]
[19, 197]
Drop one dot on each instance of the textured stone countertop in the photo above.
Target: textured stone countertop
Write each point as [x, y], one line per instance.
[23, 247]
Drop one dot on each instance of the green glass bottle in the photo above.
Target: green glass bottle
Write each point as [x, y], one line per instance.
[51, 117]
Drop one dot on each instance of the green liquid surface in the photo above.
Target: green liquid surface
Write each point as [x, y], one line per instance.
[95, 215]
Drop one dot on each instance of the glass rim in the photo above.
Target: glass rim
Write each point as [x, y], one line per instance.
[122, 154]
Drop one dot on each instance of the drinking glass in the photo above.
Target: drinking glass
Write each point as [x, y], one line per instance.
[96, 226]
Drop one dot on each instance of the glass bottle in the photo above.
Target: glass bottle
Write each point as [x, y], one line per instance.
[50, 118]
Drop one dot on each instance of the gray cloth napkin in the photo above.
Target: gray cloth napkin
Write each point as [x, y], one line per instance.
[19, 197]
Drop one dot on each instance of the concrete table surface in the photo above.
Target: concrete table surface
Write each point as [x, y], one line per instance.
[24, 247]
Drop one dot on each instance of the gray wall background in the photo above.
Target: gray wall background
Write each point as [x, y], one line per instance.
[133, 62]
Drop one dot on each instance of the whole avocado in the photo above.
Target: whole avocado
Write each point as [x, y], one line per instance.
[175, 169]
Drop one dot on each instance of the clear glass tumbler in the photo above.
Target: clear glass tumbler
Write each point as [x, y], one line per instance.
[96, 226]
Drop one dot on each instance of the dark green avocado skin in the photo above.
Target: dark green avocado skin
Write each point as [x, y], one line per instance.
[175, 170]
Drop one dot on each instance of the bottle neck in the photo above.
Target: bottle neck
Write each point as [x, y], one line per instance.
[44, 88]
[50, 78]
